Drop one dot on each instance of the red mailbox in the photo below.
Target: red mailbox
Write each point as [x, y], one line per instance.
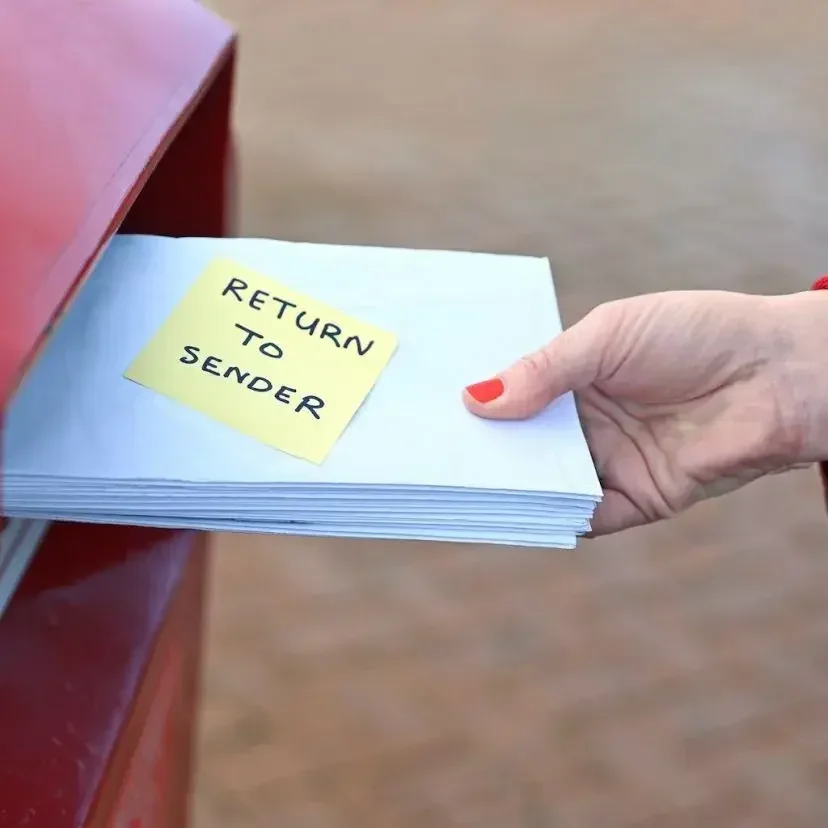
[115, 114]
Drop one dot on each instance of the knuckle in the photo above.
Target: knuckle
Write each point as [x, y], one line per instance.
[604, 315]
[536, 367]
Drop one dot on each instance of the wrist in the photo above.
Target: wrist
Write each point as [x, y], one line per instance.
[800, 352]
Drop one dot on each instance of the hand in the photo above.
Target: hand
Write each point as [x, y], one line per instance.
[683, 395]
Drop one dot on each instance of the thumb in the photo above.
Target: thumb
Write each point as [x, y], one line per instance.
[571, 361]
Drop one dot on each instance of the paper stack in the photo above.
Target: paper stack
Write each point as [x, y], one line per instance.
[83, 443]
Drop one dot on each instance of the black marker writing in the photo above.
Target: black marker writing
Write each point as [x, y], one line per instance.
[289, 313]
[285, 394]
[268, 349]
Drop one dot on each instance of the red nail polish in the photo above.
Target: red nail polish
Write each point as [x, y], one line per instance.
[487, 391]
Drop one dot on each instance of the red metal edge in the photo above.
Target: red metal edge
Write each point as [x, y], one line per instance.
[76, 644]
[150, 777]
[193, 189]
[143, 211]
[172, 53]
[152, 788]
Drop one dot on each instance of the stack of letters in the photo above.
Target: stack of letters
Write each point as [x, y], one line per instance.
[274, 387]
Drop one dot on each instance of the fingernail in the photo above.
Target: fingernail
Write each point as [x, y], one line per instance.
[487, 391]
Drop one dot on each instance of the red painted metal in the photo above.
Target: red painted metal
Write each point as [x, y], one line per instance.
[93, 93]
[84, 648]
[114, 113]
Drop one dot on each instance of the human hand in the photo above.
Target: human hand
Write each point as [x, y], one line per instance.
[683, 395]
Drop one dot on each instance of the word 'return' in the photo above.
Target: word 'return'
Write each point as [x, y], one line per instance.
[289, 312]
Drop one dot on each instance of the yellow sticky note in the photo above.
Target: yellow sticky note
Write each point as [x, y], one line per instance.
[265, 360]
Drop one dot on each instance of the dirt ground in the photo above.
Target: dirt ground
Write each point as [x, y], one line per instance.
[674, 677]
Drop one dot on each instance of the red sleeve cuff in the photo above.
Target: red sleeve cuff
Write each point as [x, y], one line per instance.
[822, 284]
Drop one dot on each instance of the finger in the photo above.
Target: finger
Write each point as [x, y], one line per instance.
[569, 362]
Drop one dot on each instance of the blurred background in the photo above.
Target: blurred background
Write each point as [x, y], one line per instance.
[674, 677]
